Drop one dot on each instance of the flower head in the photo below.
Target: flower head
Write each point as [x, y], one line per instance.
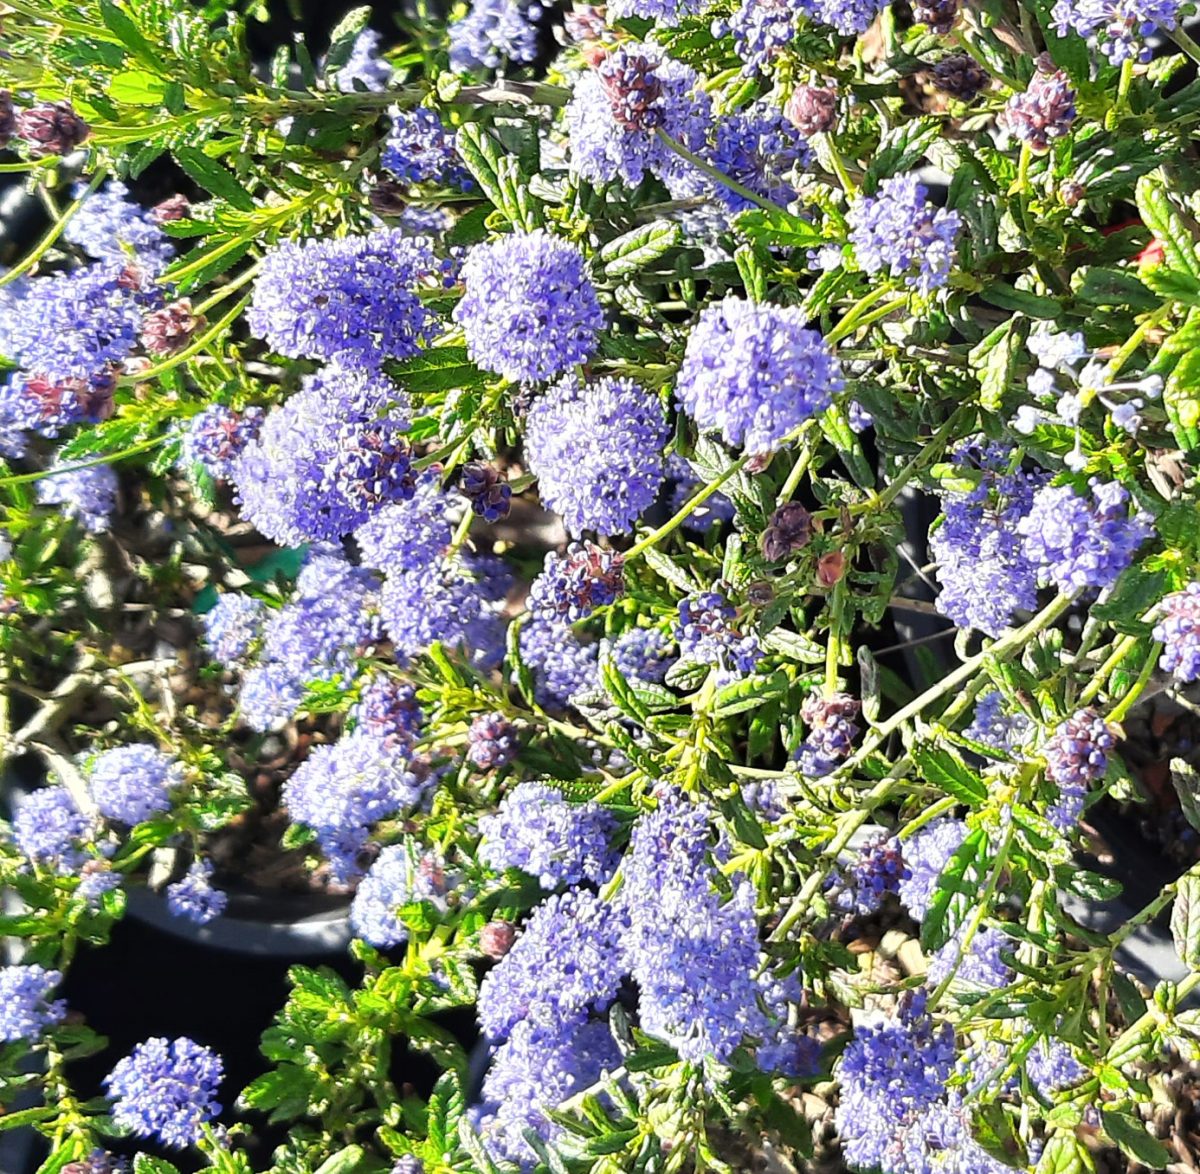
[194, 898]
[925, 858]
[48, 828]
[26, 1008]
[1178, 631]
[216, 436]
[1045, 111]
[233, 625]
[166, 1089]
[397, 878]
[708, 634]
[493, 32]
[574, 584]
[529, 309]
[134, 783]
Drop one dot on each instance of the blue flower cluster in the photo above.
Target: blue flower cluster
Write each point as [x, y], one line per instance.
[420, 149]
[831, 732]
[540, 832]
[87, 493]
[491, 741]
[1078, 541]
[1076, 756]
[754, 373]
[992, 725]
[166, 1090]
[1178, 631]
[110, 227]
[572, 585]
[899, 231]
[193, 897]
[984, 572]
[926, 855]
[134, 783]
[529, 310]
[1120, 26]
[215, 437]
[365, 69]
[397, 878]
[707, 633]
[983, 964]
[233, 626]
[643, 654]
[560, 664]
[49, 829]
[495, 32]
[597, 452]
[26, 1006]
[387, 709]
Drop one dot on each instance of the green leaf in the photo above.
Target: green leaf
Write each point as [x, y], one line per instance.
[753, 273]
[439, 369]
[1181, 398]
[1161, 217]
[749, 693]
[954, 891]
[1007, 297]
[653, 1055]
[134, 87]
[1136, 592]
[901, 149]
[992, 360]
[1185, 920]
[777, 227]
[636, 249]
[341, 40]
[1064, 1155]
[1172, 284]
[345, 1161]
[945, 769]
[1130, 1134]
[119, 23]
[1186, 780]
[145, 1164]
[27, 1117]
[213, 177]
[1121, 288]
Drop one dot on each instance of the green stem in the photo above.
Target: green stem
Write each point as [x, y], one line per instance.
[839, 167]
[862, 314]
[1186, 43]
[1136, 339]
[195, 348]
[723, 179]
[1128, 701]
[56, 230]
[677, 520]
[109, 459]
[1120, 651]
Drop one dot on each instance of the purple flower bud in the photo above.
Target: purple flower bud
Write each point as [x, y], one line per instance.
[172, 208]
[492, 741]
[169, 330]
[490, 497]
[496, 939]
[960, 76]
[812, 109]
[574, 584]
[1046, 109]
[937, 14]
[789, 530]
[51, 129]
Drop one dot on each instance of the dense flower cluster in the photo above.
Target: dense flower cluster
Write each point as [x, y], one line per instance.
[1045, 111]
[540, 832]
[925, 858]
[397, 878]
[831, 732]
[134, 783]
[216, 436]
[1120, 26]
[529, 309]
[492, 741]
[707, 633]
[1178, 631]
[420, 149]
[194, 898]
[1078, 541]
[87, 493]
[899, 230]
[494, 32]
[48, 828]
[596, 450]
[166, 1090]
[233, 625]
[572, 585]
[26, 1008]
[1077, 756]
[353, 297]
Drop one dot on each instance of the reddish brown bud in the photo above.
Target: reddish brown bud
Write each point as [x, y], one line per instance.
[812, 109]
[172, 208]
[496, 938]
[169, 330]
[51, 129]
[830, 568]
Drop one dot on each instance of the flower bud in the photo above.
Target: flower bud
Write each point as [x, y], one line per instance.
[959, 76]
[387, 198]
[1045, 111]
[51, 129]
[937, 14]
[496, 938]
[169, 330]
[830, 568]
[788, 531]
[1072, 193]
[812, 109]
[172, 208]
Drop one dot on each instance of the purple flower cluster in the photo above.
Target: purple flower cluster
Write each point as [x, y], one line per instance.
[1051, 1066]
[397, 878]
[408, 536]
[364, 68]
[831, 732]
[761, 30]
[326, 459]
[216, 436]
[848, 17]
[758, 148]
[420, 149]
[539, 831]
[618, 108]
[572, 585]
[388, 710]
[707, 633]
[899, 231]
[877, 870]
[754, 373]
[340, 791]
[565, 964]
[597, 452]
[984, 573]
[194, 898]
[667, 13]
[491, 741]
[1046, 109]
[983, 963]
[233, 625]
[86, 493]
[26, 1008]
[49, 828]
[134, 783]
[643, 654]
[110, 227]
[317, 636]
[1077, 541]
[925, 858]
[1120, 26]
[529, 310]
[560, 664]
[992, 725]
[166, 1090]
[693, 953]
[1178, 631]
[536, 1069]
[1076, 756]
[495, 32]
[351, 297]
[481, 485]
